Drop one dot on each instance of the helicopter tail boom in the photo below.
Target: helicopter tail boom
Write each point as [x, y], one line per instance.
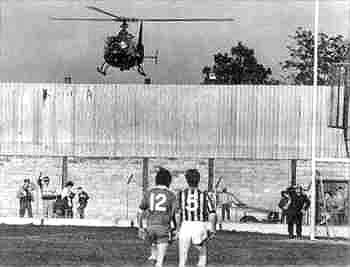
[155, 57]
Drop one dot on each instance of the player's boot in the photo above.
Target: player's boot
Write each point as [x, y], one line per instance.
[210, 235]
[152, 260]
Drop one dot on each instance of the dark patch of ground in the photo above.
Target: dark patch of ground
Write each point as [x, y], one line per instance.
[111, 246]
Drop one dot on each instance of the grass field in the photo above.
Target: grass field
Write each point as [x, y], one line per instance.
[96, 246]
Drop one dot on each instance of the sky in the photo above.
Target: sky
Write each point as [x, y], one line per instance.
[36, 49]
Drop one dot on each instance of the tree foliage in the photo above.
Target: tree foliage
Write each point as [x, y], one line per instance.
[238, 67]
[299, 66]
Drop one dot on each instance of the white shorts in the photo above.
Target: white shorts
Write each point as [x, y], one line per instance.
[195, 232]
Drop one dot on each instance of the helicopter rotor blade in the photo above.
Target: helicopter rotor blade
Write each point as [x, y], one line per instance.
[188, 20]
[131, 19]
[83, 19]
[126, 19]
[107, 13]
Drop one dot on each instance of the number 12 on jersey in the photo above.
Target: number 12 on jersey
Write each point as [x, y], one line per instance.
[157, 202]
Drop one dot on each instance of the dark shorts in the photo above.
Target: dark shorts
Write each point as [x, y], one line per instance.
[157, 234]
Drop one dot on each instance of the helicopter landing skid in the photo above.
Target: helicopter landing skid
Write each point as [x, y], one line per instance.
[102, 69]
[141, 70]
[99, 70]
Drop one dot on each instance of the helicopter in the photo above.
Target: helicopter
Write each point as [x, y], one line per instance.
[125, 51]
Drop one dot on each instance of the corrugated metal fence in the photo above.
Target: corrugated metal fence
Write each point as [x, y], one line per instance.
[255, 122]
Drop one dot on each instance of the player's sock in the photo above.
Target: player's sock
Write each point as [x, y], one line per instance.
[202, 257]
[154, 253]
[161, 249]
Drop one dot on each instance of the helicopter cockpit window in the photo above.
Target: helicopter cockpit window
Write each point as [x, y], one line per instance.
[123, 45]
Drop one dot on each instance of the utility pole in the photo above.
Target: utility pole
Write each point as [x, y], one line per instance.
[64, 177]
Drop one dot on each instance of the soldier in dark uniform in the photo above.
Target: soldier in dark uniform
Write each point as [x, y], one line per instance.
[25, 196]
[298, 206]
[83, 198]
[59, 208]
[67, 196]
[284, 204]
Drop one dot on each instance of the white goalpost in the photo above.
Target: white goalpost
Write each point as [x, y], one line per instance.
[314, 111]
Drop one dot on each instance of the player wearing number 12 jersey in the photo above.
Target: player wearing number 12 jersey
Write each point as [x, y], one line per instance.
[196, 214]
[158, 208]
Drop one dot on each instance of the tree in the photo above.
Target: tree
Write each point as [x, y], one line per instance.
[299, 66]
[238, 67]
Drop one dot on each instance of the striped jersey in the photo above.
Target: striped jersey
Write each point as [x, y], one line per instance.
[195, 205]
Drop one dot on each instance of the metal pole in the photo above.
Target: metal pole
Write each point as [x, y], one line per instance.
[314, 117]
[293, 169]
[145, 167]
[127, 200]
[64, 176]
[210, 174]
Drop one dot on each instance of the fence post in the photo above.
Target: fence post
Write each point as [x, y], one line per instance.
[293, 168]
[64, 176]
[210, 174]
[348, 204]
[145, 163]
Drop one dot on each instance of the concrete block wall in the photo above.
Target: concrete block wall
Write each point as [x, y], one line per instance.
[257, 183]
[13, 170]
[105, 180]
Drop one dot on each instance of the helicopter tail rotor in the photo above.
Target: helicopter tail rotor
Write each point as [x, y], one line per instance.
[155, 57]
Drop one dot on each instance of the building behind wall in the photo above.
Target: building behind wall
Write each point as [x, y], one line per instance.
[106, 131]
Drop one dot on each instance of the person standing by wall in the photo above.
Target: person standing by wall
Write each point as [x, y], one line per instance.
[48, 195]
[83, 198]
[297, 208]
[326, 208]
[339, 199]
[284, 204]
[225, 201]
[67, 196]
[59, 208]
[25, 196]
